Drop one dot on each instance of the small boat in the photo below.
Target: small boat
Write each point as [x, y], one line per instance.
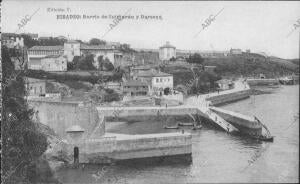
[266, 137]
[171, 127]
[185, 124]
[197, 127]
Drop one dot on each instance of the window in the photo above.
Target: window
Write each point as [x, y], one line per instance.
[41, 89]
[160, 79]
[157, 80]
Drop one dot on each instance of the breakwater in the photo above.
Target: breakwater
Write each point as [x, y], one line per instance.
[229, 97]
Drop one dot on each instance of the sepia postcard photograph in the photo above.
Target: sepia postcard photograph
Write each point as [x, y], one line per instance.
[149, 92]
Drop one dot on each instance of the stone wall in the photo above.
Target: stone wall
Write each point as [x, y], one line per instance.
[62, 115]
[230, 97]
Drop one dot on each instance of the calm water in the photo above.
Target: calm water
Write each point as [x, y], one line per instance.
[218, 156]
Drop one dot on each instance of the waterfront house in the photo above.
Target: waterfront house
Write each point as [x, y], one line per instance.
[210, 69]
[167, 51]
[224, 84]
[158, 81]
[135, 88]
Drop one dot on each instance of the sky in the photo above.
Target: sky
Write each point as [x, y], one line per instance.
[258, 26]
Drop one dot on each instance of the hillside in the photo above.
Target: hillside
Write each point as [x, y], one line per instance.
[251, 64]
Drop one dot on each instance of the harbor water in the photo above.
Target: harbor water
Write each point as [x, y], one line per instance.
[217, 156]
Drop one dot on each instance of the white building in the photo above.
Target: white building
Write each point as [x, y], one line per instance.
[167, 51]
[158, 81]
[109, 52]
[54, 63]
[36, 53]
[71, 49]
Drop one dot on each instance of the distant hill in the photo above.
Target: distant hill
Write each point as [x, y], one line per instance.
[249, 64]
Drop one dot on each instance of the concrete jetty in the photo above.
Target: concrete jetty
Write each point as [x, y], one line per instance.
[255, 82]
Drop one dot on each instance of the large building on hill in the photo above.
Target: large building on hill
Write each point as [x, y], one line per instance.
[70, 49]
[167, 51]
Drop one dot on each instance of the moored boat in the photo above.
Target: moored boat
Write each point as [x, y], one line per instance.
[197, 127]
[185, 124]
[171, 127]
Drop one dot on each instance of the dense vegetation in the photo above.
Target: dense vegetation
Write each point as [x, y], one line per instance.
[39, 74]
[194, 79]
[82, 63]
[252, 65]
[22, 142]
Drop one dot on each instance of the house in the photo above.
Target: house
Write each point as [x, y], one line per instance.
[35, 87]
[224, 84]
[135, 88]
[54, 63]
[235, 51]
[210, 69]
[12, 40]
[158, 81]
[36, 53]
[73, 48]
[167, 51]
[134, 70]
[113, 85]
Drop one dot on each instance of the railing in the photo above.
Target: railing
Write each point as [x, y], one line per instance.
[220, 121]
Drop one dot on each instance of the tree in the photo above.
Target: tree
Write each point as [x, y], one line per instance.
[85, 63]
[100, 62]
[22, 143]
[108, 65]
[96, 41]
[195, 58]
[173, 59]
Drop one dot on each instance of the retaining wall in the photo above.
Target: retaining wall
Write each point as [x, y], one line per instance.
[230, 97]
[62, 115]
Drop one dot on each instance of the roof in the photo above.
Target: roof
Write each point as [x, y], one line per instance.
[141, 67]
[75, 128]
[224, 81]
[72, 41]
[52, 56]
[96, 47]
[210, 66]
[56, 47]
[33, 80]
[153, 74]
[167, 45]
[134, 83]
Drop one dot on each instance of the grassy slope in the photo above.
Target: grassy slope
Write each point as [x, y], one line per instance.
[252, 64]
